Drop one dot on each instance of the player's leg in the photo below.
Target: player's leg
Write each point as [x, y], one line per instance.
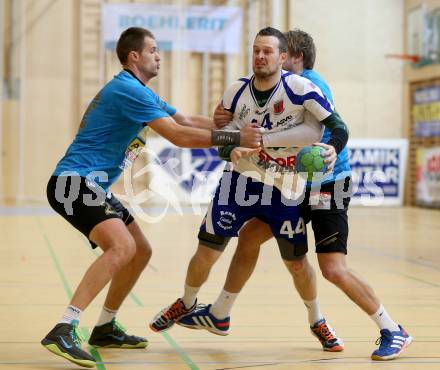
[330, 227]
[252, 235]
[334, 268]
[197, 273]
[199, 267]
[108, 332]
[303, 275]
[394, 339]
[216, 317]
[104, 227]
[304, 279]
[123, 281]
[288, 225]
[223, 220]
[331, 233]
[119, 249]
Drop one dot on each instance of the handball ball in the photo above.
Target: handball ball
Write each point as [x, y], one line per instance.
[310, 160]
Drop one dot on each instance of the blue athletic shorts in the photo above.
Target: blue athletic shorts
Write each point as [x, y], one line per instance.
[238, 199]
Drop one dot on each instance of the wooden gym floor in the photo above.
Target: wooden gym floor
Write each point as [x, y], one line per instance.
[396, 249]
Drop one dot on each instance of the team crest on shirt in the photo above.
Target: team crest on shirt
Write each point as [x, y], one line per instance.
[278, 107]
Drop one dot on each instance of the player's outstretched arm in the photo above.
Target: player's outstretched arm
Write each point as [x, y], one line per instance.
[194, 121]
[307, 133]
[191, 137]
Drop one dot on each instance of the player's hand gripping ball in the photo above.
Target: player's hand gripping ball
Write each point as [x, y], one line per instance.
[310, 160]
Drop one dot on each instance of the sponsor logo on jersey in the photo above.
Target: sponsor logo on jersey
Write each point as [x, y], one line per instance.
[244, 112]
[282, 161]
[283, 121]
[258, 112]
[278, 107]
[132, 152]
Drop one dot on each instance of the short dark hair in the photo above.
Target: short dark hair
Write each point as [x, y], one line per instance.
[132, 39]
[299, 42]
[270, 31]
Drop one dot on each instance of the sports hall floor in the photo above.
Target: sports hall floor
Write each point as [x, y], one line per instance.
[396, 249]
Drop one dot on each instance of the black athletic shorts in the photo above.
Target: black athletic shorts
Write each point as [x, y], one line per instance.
[83, 203]
[327, 209]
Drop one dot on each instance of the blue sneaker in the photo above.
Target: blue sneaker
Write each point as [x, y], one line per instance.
[392, 344]
[201, 318]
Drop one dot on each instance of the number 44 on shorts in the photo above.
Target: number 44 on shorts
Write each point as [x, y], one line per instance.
[287, 229]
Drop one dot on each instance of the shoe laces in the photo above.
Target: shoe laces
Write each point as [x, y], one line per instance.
[117, 326]
[76, 336]
[326, 332]
[175, 310]
[384, 340]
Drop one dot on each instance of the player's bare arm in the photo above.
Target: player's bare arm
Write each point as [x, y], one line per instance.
[240, 152]
[222, 116]
[194, 121]
[191, 137]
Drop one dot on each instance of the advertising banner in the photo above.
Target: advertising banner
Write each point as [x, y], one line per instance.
[378, 167]
[426, 111]
[211, 29]
[428, 177]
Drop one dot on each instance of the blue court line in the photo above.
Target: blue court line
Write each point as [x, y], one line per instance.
[68, 290]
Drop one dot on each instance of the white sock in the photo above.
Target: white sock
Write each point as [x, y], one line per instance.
[223, 305]
[313, 310]
[72, 313]
[106, 316]
[383, 320]
[190, 295]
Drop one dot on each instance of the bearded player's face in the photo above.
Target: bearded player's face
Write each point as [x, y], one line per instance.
[267, 59]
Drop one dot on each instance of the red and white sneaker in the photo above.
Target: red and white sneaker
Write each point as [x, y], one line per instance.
[327, 336]
[167, 317]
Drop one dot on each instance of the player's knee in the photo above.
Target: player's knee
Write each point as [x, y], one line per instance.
[206, 256]
[334, 273]
[121, 253]
[143, 253]
[297, 267]
[246, 252]
[247, 239]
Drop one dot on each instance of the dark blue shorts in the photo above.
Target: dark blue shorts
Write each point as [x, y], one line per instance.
[238, 199]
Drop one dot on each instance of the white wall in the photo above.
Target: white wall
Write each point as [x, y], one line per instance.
[352, 38]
